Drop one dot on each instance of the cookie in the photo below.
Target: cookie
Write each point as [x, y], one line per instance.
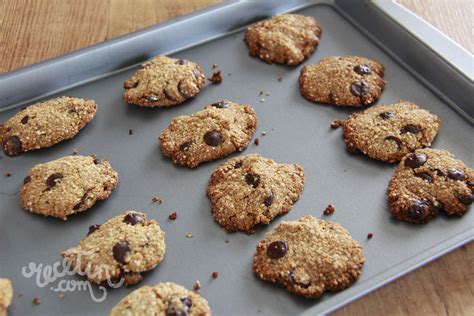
[215, 132]
[121, 248]
[389, 132]
[343, 81]
[250, 190]
[429, 181]
[163, 82]
[66, 186]
[309, 256]
[163, 299]
[46, 123]
[6, 295]
[284, 39]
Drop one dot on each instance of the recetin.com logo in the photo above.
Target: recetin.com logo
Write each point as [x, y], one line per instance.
[54, 276]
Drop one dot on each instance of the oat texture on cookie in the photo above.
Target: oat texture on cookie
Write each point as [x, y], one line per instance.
[163, 299]
[343, 81]
[6, 295]
[389, 132]
[45, 124]
[66, 186]
[251, 190]
[121, 248]
[284, 39]
[309, 256]
[217, 131]
[163, 82]
[428, 181]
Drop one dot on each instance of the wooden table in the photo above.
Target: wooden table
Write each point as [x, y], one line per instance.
[32, 31]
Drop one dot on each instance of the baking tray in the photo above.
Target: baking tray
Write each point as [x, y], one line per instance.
[430, 72]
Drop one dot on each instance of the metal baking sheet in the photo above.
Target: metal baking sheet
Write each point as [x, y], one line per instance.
[297, 131]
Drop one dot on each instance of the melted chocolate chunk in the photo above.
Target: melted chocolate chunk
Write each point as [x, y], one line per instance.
[132, 218]
[185, 146]
[252, 180]
[277, 249]
[386, 115]
[93, 228]
[187, 301]
[465, 199]
[120, 251]
[269, 200]
[394, 139]
[182, 90]
[456, 174]
[415, 160]
[54, 179]
[359, 89]
[425, 176]
[12, 146]
[222, 104]
[409, 129]
[25, 119]
[81, 202]
[213, 138]
[440, 173]
[419, 210]
[363, 69]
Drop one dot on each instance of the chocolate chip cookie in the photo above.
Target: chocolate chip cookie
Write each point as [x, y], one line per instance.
[250, 190]
[66, 186]
[389, 132]
[164, 81]
[429, 181]
[121, 248]
[309, 256]
[6, 295]
[46, 123]
[343, 81]
[284, 39]
[163, 299]
[217, 131]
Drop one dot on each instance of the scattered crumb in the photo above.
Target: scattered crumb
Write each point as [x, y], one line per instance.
[267, 94]
[264, 133]
[156, 199]
[173, 216]
[8, 174]
[197, 286]
[370, 235]
[227, 241]
[61, 296]
[20, 294]
[279, 79]
[216, 78]
[189, 235]
[215, 274]
[330, 209]
[336, 124]
[262, 100]
[261, 93]
[215, 66]
[130, 132]
[36, 301]
[75, 151]
[256, 141]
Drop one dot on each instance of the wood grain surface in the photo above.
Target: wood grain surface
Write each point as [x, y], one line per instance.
[32, 31]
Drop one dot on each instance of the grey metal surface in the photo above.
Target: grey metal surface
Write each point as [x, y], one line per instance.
[297, 131]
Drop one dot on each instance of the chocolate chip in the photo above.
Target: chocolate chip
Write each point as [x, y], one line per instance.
[24, 120]
[222, 104]
[180, 62]
[81, 202]
[132, 218]
[359, 89]
[415, 160]
[54, 179]
[252, 180]
[419, 210]
[120, 250]
[213, 138]
[93, 228]
[185, 146]
[409, 129]
[425, 176]
[182, 90]
[363, 69]
[238, 164]
[152, 98]
[440, 173]
[96, 161]
[394, 139]
[465, 199]
[386, 115]
[12, 146]
[26, 180]
[456, 174]
[269, 200]
[187, 301]
[277, 249]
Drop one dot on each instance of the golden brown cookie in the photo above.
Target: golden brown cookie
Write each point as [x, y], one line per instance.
[45, 124]
[163, 82]
[429, 181]
[389, 132]
[217, 131]
[343, 81]
[121, 248]
[6, 295]
[309, 256]
[66, 186]
[251, 190]
[163, 299]
[284, 39]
